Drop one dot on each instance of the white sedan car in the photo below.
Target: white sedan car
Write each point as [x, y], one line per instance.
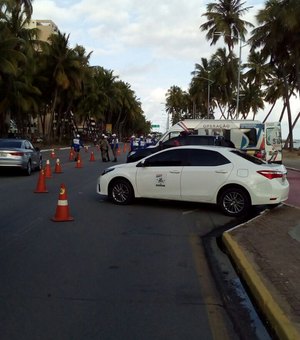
[209, 174]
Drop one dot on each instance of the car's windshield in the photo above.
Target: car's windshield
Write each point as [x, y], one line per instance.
[10, 144]
[167, 136]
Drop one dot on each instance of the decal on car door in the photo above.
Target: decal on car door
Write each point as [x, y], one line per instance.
[160, 180]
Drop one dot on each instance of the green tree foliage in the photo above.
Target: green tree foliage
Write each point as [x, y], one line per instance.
[178, 104]
[278, 39]
[54, 81]
[271, 73]
[224, 21]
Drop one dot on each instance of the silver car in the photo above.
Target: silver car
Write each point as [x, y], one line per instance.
[20, 153]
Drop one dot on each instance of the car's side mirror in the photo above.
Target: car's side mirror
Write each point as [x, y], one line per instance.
[142, 163]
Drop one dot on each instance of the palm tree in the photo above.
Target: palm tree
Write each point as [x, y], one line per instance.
[177, 104]
[223, 72]
[111, 94]
[64, 70]
[130, 112]
[200, 89]
[9, 67]
[278, 39]
[111, 101]
[224, 19]
[19, 93]
[258, 69]
[10, 6]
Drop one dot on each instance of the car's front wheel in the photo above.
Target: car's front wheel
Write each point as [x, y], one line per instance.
[40, 164]
[120, 192]
[234, 202]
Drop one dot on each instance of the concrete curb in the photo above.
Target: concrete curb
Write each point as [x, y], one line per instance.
[282, 326]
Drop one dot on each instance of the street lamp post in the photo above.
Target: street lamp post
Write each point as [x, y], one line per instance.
[168, 117]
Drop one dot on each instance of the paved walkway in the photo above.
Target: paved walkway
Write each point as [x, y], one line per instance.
[266, 251]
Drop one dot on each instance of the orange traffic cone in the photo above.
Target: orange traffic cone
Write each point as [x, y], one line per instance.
[118, 151]
[125, 148]
[71, 155]
[78, 163]
[92, 158]
[58, 169]
[52, 154]
[41, 185]
[62, 213]
[48, 173]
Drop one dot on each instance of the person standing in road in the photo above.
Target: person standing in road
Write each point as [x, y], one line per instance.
[107, 150]
[148, 140]
[114, 145]
[104, 146]
[77, 145]
[133, 143]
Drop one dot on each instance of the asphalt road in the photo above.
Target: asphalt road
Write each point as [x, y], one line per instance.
[133, 272]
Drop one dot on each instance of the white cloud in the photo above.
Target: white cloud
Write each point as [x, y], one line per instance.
[152, 45]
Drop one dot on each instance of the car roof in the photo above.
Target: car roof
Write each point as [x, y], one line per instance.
[201, 136]
[206, 147]
[199, 147]
[11, 142]
[222, 149]
[13, 139]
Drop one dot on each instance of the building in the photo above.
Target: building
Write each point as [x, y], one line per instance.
[45, 28]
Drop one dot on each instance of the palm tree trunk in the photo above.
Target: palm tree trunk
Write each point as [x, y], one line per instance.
[282, 112]
[270, 111]
[288, 137]
[222, 113]
[50, 123]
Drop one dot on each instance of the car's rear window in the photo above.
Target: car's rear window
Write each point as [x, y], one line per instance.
[10, 144]
[249, 158]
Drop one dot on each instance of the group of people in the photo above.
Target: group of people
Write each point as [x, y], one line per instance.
[106, 144]
[141, 142]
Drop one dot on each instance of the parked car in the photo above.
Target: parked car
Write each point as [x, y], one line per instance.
[228, 177]
[20, 153]
[179, 140]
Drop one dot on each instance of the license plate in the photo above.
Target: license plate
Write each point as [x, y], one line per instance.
[3, 154]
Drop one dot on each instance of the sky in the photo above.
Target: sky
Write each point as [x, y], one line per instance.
[152, 45]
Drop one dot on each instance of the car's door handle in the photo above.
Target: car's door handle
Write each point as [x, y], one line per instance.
[174, 172]
[221, 172]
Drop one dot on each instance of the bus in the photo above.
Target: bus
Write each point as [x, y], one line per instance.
[263, 140]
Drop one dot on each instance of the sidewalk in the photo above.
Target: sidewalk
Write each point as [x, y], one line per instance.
[266, 251]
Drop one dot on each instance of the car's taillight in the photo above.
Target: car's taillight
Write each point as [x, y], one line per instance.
[270, 174]
[16, 153]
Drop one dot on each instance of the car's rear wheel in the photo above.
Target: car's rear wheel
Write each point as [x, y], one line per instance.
[28, 169]
[120, 192]
[234, 202]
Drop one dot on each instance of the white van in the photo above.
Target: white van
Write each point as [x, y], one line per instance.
[263, 140]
